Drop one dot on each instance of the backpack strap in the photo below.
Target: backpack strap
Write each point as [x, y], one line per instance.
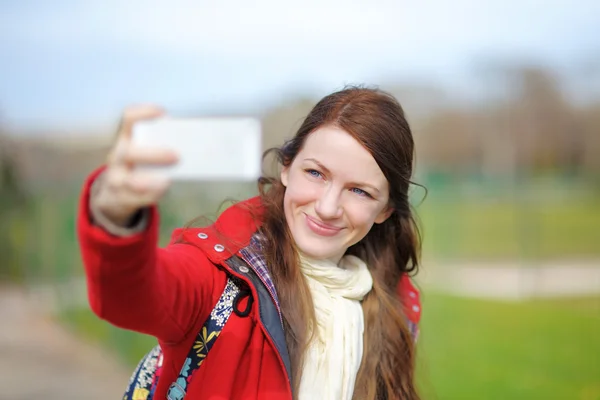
[206, 338]
[145, 377]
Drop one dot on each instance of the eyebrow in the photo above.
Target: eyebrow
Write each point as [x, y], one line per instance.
[327, 171]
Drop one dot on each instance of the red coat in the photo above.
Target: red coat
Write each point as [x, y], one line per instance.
[169, 293]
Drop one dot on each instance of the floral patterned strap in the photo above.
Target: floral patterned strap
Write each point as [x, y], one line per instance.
[145, 377]
[205, 340]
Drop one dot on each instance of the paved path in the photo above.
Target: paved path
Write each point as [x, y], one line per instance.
[514, 281]
[41, 360]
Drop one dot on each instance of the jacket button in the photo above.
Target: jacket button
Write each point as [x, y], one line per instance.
[203, 235]
[219, 248]
[244, 269]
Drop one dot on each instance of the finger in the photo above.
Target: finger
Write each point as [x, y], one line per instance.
[117, 154]
[117, 177]
[148, 183]
[133, 114]
[149, 156]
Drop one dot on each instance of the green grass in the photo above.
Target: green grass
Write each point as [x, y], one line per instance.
[469, 349]
[474, 349]
[511, 230]
[129, 346]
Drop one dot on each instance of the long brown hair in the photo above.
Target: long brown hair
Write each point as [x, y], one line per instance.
[376, 120]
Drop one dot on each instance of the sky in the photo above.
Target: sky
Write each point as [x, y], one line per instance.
[76, 64]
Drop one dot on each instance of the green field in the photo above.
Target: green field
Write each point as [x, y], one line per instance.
[511, 230]
[475, 349]
[470, 349]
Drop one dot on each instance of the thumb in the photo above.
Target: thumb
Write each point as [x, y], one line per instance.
[134, 114]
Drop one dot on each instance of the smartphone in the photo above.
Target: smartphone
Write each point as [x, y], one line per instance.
[209, 148]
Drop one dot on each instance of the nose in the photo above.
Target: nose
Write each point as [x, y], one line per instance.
[328, 205]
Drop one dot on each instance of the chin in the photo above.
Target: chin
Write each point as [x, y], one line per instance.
[318, 248]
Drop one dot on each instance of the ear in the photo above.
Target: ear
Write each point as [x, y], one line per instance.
[384, 215]
[285, 171]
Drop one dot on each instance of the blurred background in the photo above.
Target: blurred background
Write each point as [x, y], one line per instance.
[504, 101]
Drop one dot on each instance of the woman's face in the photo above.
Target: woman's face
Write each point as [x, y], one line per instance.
[335, 192]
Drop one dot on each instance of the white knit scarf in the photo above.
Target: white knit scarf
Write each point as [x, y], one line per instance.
[334, 356]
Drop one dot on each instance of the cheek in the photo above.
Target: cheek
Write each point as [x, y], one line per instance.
[361, 217]
[300, 191]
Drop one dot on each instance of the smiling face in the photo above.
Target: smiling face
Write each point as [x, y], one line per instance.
[335, 192]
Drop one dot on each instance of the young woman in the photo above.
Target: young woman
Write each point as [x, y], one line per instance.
[315, 268]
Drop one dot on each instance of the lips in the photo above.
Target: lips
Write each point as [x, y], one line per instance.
[321, 228]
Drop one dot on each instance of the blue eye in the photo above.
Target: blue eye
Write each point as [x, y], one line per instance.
[360, 192]
[314, 173]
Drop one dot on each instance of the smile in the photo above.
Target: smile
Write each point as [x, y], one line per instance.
[321, 228]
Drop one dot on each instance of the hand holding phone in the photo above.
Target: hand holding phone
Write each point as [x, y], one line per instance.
[151, 150]
[120, 191]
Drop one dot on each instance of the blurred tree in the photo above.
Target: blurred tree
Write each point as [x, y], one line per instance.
[590, 121]
[281, 123]
[448, 141]
[548, 137]
[12, 202]
[523, 123]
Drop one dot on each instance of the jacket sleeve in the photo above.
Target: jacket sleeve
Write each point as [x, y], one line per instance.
[134, 284]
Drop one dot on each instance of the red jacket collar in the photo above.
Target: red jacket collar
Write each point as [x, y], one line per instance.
[231, 232]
